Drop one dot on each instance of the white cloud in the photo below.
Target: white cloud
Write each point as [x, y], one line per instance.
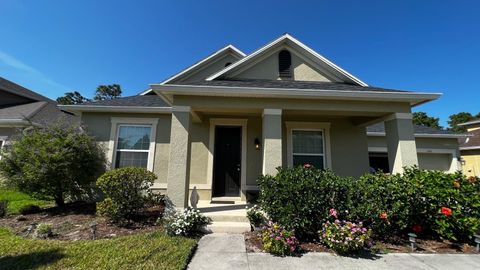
[29, 71]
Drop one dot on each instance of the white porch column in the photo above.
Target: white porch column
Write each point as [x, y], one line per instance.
[178, 167]
[272, 140]
[402, 150]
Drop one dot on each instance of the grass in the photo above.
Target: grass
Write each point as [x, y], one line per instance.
[17, 200]
[139, 251]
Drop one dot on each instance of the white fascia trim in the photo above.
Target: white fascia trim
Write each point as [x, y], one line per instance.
[239, 53]
[126, 109]
[477, 121]
[296, 42]
[421, 135]
[16, 123]
[470, 148]
[412, 97]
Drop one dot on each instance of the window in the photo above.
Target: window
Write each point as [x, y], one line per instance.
[284, 64]
[308, 148]
[133, 146]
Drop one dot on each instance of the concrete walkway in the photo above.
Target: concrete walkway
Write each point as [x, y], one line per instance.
[227, 251]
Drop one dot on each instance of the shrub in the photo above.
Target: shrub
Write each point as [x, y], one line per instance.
[43, 230]
[55, 161]
[343, 236]
[279, 241]
[255, 216]
[185, 223]
[29, 209]
[127, 192]
[299, 198]
[3, 208]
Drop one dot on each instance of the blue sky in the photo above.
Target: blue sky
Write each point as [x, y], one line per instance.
[57, 46]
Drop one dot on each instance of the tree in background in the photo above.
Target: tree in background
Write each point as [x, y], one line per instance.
[107, 92]
[72, 98]
[422, 118]
[459, 118]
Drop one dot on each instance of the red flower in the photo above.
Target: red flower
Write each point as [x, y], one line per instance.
[417, 228]
[383, 216]
[446, 211]
[307, 166]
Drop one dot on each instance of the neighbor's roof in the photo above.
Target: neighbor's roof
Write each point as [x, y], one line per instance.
[419, 131]
[16, 89]
[290, 84]
[140, 100]
[472, 142]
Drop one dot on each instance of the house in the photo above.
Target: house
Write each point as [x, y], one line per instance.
[21, 107]
[470, 148]
[225, 120]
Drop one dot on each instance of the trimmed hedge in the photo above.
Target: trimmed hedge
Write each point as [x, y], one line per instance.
[429, 203]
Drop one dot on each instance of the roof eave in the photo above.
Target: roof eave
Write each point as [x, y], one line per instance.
[16, 123]
[414, 98]
[422, 135]
[118, 109]
[469, 148]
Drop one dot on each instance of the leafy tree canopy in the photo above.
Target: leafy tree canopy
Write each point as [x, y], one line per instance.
[107, 92]
[72, 98]
[422, 118]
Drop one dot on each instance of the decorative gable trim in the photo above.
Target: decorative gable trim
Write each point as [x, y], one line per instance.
[314, 56]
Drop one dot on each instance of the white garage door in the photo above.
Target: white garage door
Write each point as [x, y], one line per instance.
[434, 161]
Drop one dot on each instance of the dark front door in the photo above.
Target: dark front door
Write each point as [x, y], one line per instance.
[227, 161]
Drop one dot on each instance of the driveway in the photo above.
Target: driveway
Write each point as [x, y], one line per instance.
[227, 251]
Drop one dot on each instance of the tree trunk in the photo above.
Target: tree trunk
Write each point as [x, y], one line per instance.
[59, 201]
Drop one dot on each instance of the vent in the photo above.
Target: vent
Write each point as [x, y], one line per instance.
[284, 65]
[228, 64]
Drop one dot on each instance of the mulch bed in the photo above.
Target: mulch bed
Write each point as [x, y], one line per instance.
[253, 243]
[72, 222]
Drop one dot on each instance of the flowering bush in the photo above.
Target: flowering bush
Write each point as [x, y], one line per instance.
[344, 236]
[255, 216]
[279, 241]
[185, 223]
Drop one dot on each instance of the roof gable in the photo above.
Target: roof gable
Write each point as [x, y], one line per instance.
[205, 67]
[21, 91]
[310, 65]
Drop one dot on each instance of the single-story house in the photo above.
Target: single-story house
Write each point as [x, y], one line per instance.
[470, 148]
[231, 117]
[21, 107]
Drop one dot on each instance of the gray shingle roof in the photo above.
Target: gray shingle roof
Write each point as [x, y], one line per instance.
[380, 128]
[145, 101]
[472, 141]
[287, 84]
[22, 111]
[14, 88]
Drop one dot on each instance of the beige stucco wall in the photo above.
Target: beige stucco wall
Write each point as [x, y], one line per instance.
[267, 69]
[7, 131]
[215, 66]
[472, 162]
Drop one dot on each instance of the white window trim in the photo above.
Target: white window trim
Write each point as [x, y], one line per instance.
[310, 126]
[3, 142]
[116, 122]
[211, 146]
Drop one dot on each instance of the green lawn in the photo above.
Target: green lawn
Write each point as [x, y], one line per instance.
[140, 251]
[17, 200]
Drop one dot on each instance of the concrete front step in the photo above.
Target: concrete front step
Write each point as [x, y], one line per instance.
[220, 217]
[228, 227]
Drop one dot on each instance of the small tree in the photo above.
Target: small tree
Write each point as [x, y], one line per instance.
[71, 98]
[106, 92]
[55, 161]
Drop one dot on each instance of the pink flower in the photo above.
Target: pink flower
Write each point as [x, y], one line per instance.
[277, 238]
[307, 166]
[333, 212]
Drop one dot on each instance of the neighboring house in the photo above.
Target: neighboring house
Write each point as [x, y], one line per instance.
[231, 117]
[20, 107]
[470, 148]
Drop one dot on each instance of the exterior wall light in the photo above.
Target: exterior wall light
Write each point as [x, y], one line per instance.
[257, 144]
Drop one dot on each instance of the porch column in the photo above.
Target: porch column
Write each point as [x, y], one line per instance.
[402, 150]
[272, 140]
[178, 166]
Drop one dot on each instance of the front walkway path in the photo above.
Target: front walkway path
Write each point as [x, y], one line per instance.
[227, 251]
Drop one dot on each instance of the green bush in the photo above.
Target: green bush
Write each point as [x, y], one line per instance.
[29, 209]
[127, 192]
[429, 203]
[300, 198]
[3, 208]
[56, 161]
